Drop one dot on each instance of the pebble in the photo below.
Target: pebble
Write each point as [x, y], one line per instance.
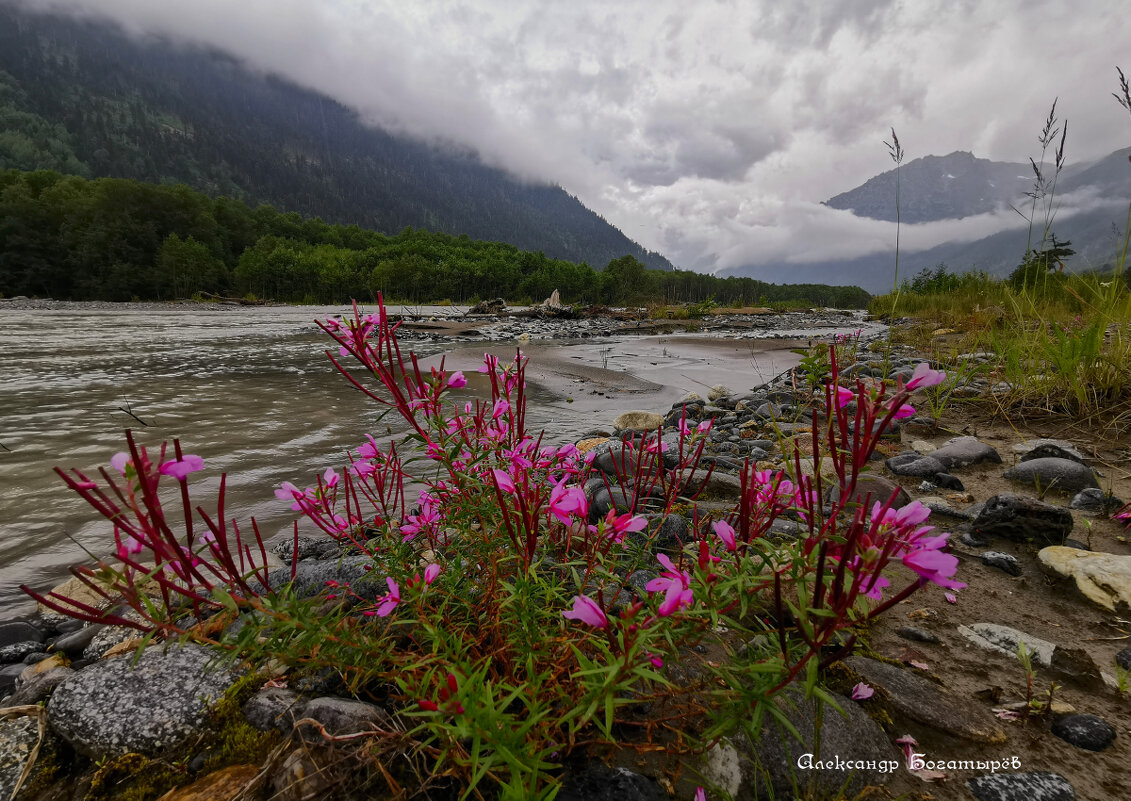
[1089, 732]
[916, 634]
[1038, 786]
[1002, 561]
[1123, 658]
[1018, 517]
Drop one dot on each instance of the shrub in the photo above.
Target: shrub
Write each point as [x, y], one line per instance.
[502, 624]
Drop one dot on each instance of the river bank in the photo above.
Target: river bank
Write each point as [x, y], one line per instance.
[931, 662]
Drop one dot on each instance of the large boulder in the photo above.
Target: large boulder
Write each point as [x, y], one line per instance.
[1018, 517]
[638, 421]
[965, 451]
[118, 706]
[1066, 475]
[1104, 578]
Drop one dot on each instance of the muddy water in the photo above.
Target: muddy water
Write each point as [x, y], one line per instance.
[252, 392]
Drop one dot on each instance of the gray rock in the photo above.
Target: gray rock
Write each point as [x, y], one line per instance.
[638, 421]
[76, 642]
[19, 631]
[614, 460]
[308, 548]
[117, 706]
[1005, 641]
[340, 716]
[593, 781]
[18, 650]
[1052, 473]
[916, 634]
[947, 481]
[1039, 448]
[1002, 561]
[871, 489]
[1123, 658]
[941, 507]
[17, 738]
[963, 452]
[717, 485]
[312, 574]
[913, 464]
[667, 532]
[1089, 732]
[1039, 786]
[39, 687]
[927, 703]
[8, 676]
[852, 735]
[274, 708]
[1095, 501]
[1025, 519]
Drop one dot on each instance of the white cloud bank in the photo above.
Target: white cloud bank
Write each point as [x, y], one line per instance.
[710, 130]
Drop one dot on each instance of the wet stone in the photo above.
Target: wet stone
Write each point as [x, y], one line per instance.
[593, 781]
[148, 705]
[963, 452]
[1021, 518]
[18, 632]
[947, 481]
[1051, 473]
[1002, 561]
[1038, 786]
[912, 464]
[1123, 658]
[916, 634]
[1089, 732]
[18, 650]
[1094, 500]
[927, 703]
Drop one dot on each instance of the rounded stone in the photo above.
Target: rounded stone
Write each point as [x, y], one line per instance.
[1036, 786]
[1089, 732]
[149, 706]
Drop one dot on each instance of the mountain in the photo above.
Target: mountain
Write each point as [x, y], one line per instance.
[1090, 204]
[939, 188]
[83, 98]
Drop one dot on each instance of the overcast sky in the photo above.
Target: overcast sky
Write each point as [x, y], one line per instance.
[709, 131]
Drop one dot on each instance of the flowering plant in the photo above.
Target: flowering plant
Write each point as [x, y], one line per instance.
[501, 618]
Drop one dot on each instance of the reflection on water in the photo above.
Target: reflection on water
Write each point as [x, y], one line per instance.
[248, 389]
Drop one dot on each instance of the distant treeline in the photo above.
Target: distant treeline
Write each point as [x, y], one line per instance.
[118, 239]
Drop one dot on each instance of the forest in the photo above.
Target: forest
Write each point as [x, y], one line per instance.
[117, 239]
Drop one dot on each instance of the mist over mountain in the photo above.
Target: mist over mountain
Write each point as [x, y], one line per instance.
[938, 188]
[1089, 208]
[83, 98]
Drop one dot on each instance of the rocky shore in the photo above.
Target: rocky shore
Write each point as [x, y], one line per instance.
[1030, 520]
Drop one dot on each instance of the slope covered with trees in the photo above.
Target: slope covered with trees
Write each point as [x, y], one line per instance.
[84, 99]
[118, 239]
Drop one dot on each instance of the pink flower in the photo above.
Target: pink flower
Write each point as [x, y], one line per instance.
[700, 794]
[289, 492]
[119, 462]
[725, 532]
[676, 585]
[431, 572]
[951, 598]
[369, 450]
[389, 601]
[655, 660]
[330, 478]
[616, 526]
[490, 363]
[503, 481]
[129, 547]
[179, 468]
[705, 426]
[862, 692]
[844, 396]
[924, 377]
[586, 610]
[904, 411]
[457, 380]
[928, 560]
[565, 503]
[501, 407]
[684, 428]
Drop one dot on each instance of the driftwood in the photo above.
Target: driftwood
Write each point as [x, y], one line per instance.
[237, 301]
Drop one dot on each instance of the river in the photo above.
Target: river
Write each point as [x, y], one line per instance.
[252, 392]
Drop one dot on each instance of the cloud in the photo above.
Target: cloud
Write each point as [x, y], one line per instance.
[709, 131]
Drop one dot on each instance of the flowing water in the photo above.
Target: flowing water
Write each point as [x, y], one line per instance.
[252, 391]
